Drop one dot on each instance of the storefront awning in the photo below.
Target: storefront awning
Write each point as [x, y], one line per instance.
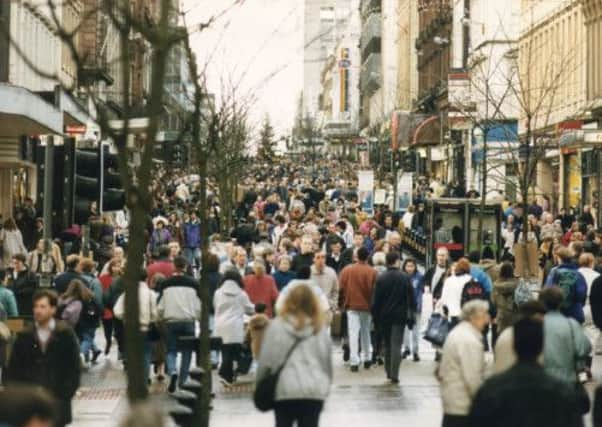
[24, 113]
[427, 131]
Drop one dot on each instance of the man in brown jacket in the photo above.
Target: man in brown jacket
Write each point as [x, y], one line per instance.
[356, 287]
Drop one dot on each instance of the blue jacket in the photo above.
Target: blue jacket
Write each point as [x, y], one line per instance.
[192, 235]
[483, 278]
[283, 278]
[417, 280]
[576, 310]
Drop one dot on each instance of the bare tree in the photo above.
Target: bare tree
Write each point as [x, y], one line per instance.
[509, 88]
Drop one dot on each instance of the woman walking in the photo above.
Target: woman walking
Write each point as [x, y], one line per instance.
[231, 303]
[305, 379]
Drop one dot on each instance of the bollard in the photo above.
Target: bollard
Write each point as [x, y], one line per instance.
[197, 374]
[185, 398]
[181, 415]
[192, 386]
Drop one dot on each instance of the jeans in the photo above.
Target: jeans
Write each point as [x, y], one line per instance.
[393, 337]
[193, 256]
[358, 326]
[87, 343]
[230, 354]
[305, 411]
[174, 331]
[412, 335]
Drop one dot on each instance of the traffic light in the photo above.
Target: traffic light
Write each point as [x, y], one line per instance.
[113, 195]
[87, 180]
[408, 161]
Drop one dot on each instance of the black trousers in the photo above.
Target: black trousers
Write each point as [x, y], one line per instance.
[107, 327]
[454, 421]
[305, 412]
[230, 354]
[119, 334]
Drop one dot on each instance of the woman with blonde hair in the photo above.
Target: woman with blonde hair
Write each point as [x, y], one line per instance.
[298, 341]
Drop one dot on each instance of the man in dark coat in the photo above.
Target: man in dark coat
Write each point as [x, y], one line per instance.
[393, 308]
[23, 284]
[47, 354]
[525, 395]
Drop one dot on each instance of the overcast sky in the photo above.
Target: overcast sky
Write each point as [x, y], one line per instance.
[259, 43]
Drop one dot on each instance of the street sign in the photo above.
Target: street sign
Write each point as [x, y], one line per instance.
[75, 130]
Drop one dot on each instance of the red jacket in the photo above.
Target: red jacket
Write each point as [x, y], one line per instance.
[262, 290]
[164, 267]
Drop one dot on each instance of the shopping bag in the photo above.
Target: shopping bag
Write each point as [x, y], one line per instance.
[437, 330]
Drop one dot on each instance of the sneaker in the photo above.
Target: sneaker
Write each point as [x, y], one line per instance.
[367, 364]
[416, 357]
[355, 368]
[95, 355]
[405, 354]
[107, 348]
[394, 380]
[173, 382]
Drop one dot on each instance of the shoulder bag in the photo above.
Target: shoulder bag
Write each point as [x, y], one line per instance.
[265, 389]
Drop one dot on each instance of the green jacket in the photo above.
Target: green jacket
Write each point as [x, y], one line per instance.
[503, 299]
[565, 347]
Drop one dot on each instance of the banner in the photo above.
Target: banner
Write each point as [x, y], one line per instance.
[366, 190]
[404, 190]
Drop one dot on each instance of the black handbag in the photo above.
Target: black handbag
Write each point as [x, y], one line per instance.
[437, 330]
[265, 389]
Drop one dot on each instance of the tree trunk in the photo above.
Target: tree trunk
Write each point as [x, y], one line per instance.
[204, 350]
[134, 344]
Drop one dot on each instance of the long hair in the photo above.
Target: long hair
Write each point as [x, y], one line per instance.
[302, 305]
[78, 291]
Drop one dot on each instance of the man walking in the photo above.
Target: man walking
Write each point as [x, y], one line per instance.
[326, 278]
[393, 308]
[357, 285]
[47, 355]
[179, 307]
[502, 400]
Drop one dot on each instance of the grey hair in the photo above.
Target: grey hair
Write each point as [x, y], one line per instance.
[474, 307]
[379, 258]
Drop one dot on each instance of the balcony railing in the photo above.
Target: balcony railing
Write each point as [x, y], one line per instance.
[371, 35]
[370, 78]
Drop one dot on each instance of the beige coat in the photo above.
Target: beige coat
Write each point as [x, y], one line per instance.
[462, 368]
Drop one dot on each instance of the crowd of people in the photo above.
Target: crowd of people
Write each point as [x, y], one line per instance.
[304, 263]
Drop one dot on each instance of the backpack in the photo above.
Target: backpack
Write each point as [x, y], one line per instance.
[522, 293]
[473, 290]
[566, 280]
[90, 315]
